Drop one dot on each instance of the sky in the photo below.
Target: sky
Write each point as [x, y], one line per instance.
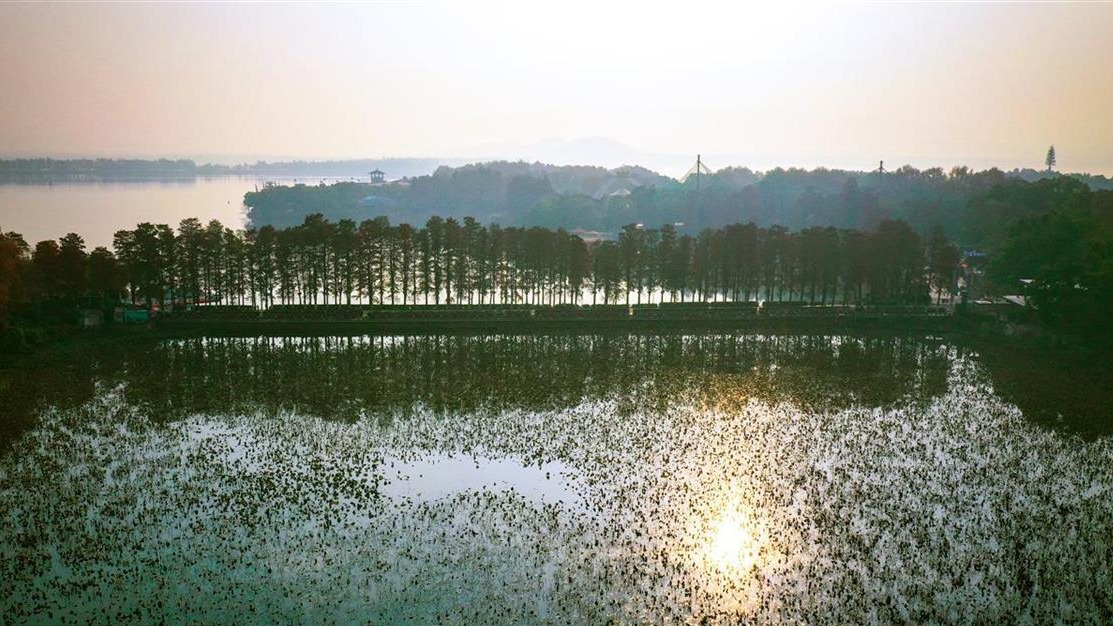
[760, 85]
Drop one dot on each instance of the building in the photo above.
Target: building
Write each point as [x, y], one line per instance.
[377, 176]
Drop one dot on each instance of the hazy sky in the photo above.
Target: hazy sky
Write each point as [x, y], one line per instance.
[834, 84]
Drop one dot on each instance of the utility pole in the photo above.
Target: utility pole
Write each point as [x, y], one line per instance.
[698, 166]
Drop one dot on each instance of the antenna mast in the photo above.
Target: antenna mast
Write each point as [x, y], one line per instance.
[697, 171]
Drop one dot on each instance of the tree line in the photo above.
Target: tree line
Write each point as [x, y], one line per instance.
[969, 205]
[38, 171]
[464, 262]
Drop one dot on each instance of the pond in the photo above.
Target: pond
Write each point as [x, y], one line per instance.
[558, 479]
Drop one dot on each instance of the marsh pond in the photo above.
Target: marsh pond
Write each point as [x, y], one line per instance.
[546, 479]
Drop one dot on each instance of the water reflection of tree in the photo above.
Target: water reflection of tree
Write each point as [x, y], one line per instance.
[342, 377]
[1067, 390]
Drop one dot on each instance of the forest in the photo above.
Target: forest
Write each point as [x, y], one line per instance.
[968, 205]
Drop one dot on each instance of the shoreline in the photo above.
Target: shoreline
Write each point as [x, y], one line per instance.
[967, 329]
[429, 326]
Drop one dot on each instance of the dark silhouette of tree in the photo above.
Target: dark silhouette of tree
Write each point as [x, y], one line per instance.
[190, 256]
[404, 235]
[46, 269]
[264, 264]
[72, 266]
[212, 261]
[1049, 161]
[897, 264]
[607, 271]
[13, 261]
[434, 269]
[105, 278]
[344, 244]
[1068, 256]
[944, 258]
[632, 248]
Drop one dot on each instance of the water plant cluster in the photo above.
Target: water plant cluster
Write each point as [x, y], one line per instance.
[950, 508]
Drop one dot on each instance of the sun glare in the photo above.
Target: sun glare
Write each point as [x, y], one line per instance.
[735, 543]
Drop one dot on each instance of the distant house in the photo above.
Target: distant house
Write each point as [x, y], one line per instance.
[377, 176]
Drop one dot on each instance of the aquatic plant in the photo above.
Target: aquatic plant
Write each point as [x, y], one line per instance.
[949, 509]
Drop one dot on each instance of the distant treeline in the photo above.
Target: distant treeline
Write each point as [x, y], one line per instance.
[108, 170]
[967, 205]
[95, 170]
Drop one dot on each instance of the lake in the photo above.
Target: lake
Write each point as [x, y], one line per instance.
[97, 210]
[557, 479]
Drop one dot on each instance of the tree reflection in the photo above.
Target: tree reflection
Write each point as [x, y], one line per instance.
[345, 378]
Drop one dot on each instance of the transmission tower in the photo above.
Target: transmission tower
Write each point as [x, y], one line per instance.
[698, 170]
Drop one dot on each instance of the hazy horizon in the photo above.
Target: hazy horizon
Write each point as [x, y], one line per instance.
[588, 151]
[840, 86]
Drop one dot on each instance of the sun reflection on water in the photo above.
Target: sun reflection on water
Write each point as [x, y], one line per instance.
[735, 542]
[731, 549]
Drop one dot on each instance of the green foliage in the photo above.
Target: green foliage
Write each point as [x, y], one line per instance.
[1067, 253]
[967, 205]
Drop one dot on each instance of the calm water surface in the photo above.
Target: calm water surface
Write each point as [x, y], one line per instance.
[97, 210]
[549, 479]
